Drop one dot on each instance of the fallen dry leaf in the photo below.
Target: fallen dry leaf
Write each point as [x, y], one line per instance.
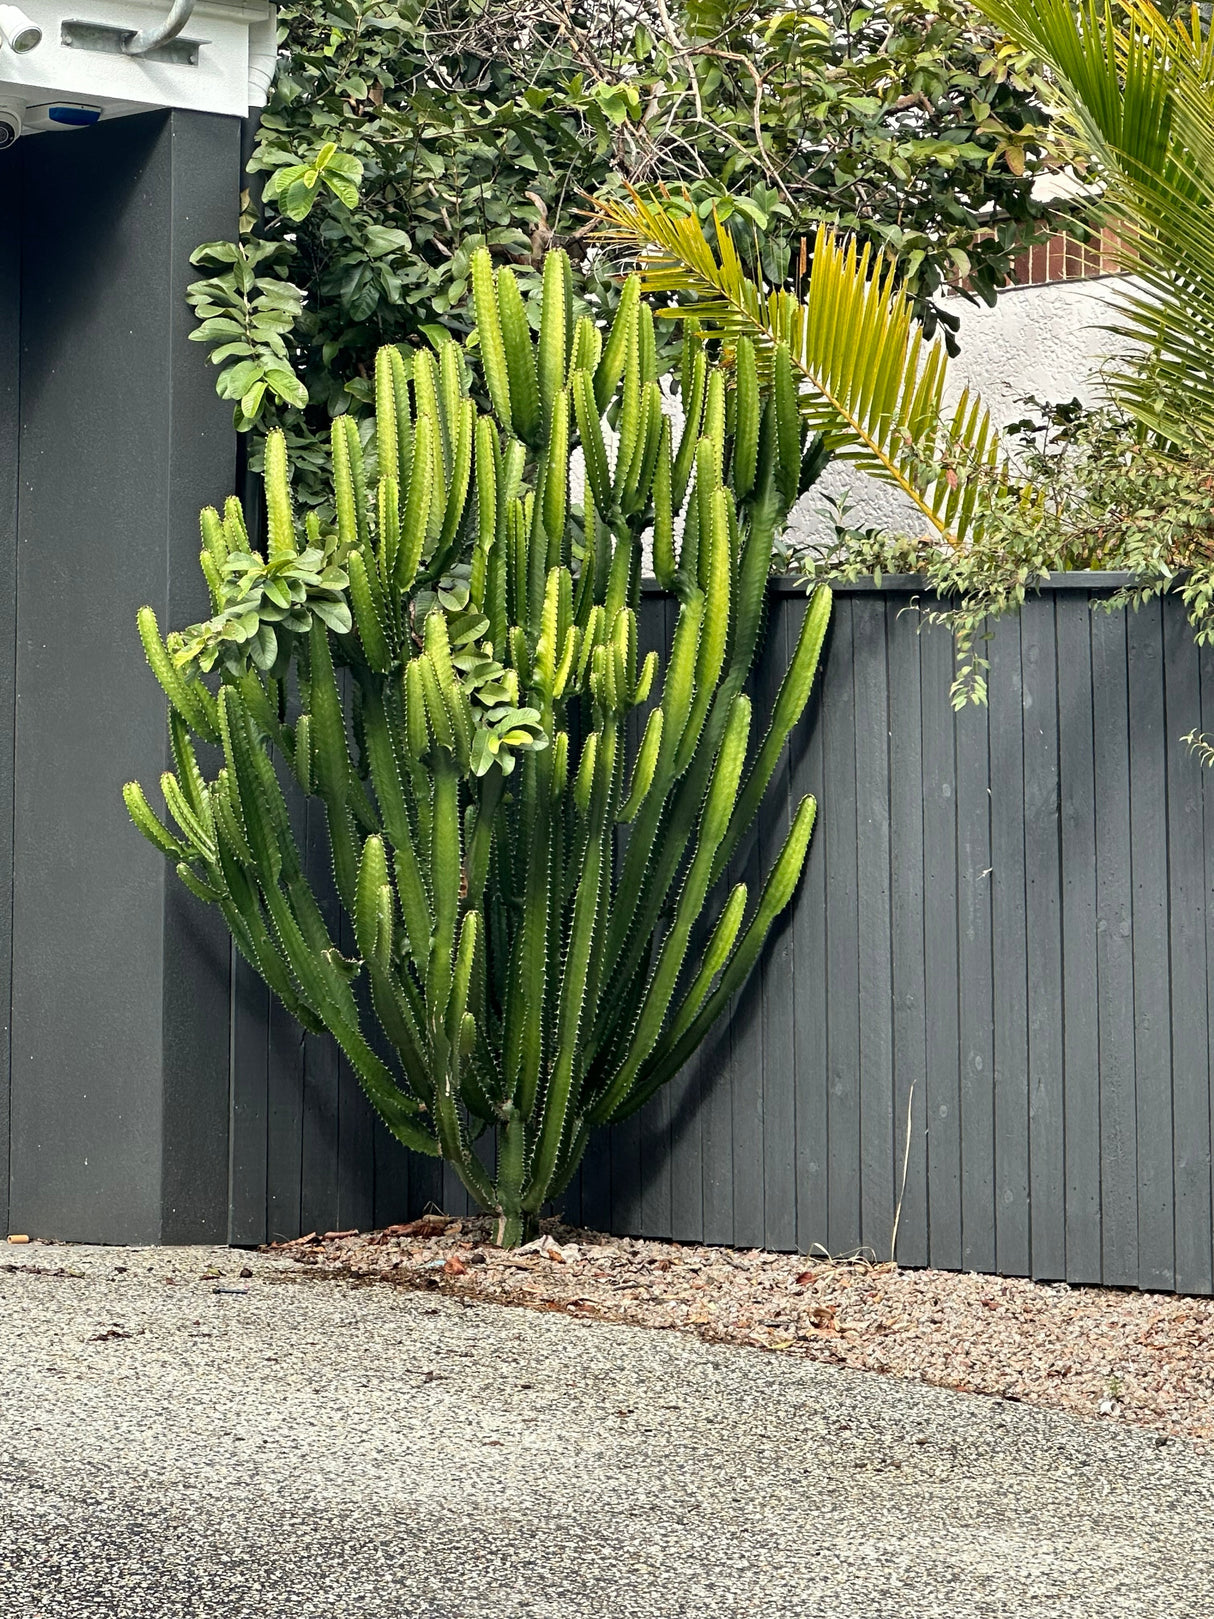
[430, 1225]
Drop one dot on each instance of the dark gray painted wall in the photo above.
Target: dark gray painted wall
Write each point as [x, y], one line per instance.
[1010, 910]
[120, 986]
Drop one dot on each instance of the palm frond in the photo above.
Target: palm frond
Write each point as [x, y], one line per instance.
[1115, 92]
[1139, 89]
[869, 382]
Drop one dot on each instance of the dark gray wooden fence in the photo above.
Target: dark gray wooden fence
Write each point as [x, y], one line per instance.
[1003, 934]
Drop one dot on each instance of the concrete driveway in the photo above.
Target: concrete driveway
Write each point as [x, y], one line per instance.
[289, 1446]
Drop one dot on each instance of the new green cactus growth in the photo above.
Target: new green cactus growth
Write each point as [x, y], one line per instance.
[450, 666]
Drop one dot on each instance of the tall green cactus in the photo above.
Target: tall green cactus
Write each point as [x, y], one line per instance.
[449, 666]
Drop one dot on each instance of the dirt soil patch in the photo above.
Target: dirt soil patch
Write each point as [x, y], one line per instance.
[1142, 1358]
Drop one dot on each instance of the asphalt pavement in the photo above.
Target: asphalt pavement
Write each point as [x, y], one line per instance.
[177, 1440]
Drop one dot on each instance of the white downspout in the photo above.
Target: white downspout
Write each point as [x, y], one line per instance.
[263, 58]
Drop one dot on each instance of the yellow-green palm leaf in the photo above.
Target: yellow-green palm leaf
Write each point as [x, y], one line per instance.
[868, 380]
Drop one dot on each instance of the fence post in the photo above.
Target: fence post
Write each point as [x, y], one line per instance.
[119, 984]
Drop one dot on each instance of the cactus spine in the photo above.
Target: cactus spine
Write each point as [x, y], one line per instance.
[533, 973]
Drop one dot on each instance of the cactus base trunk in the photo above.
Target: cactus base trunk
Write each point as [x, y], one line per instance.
[515, 1229]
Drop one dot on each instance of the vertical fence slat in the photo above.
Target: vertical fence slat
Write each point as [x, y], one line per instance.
[975, 986]
[907, 900]
[877, 1122]
[1010, 954]
[10, 438]
[778, 982]
[716, 1117]
[943, 1113]
[777, 1082]
[392, 1202]
[1189, 963]
[248, 1139]
[425, 1185]
[842, 938]
[1080, 1033]
[715, 1073]
[1206, 662]
[687, 1159]
[716, 1131]
[1043, 929]
[595, 1208]
[284, 1104]
[355, 1131]
[1152, 1002]
[319, 1146]
[1115, 967]
[453, 1197]
[747, 1095]
[747, 1020]
[285, 1087]
[626, 1175]
[653, 1141]
[318, 1151]
[809, 951]
[355, 1153]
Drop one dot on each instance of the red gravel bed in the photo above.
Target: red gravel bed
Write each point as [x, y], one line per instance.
[1143, 1358]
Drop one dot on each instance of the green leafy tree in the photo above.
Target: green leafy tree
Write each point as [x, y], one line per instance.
[460, 125]
[450, 667]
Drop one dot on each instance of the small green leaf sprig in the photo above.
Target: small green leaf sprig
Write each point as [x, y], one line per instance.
[503, 726]
[246, 318]
[296, 186]
[261, 602]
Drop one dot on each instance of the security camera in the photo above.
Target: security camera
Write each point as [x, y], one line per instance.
[19, 32]
[12, 115]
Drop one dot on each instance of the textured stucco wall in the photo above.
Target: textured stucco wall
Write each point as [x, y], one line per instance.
[1039, 341]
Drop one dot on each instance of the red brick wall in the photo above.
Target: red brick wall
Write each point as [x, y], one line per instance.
[1062, 258]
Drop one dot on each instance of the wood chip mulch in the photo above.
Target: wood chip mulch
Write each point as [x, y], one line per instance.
[1142, 1358]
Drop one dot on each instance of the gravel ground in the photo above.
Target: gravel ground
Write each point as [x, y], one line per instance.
[1144, 1358]
[182, 1439]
